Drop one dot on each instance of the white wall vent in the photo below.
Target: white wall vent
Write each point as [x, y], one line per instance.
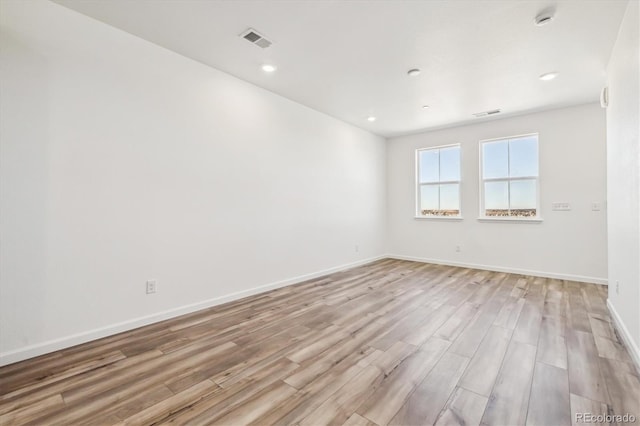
[256, 38]
[485, 113]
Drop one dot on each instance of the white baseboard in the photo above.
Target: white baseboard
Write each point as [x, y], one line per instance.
[569, 277]
[9, 357]
[626, 336]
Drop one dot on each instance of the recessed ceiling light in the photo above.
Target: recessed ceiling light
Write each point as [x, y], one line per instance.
[269, 68]
[425, 107]
[548, 76]
[413, 72]
[371, 118]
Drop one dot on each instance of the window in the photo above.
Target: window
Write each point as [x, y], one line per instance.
[509, 178]
[438, 182]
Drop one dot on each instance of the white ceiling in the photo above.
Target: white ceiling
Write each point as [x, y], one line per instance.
[349, 59]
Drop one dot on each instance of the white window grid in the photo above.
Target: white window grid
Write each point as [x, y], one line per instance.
[419, 184]
[483, 180]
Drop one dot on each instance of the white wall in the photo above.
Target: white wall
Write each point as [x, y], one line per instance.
[122, 161]
[623, 178]
[567, 244]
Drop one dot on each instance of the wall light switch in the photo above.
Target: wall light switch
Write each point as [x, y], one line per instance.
[560, 206]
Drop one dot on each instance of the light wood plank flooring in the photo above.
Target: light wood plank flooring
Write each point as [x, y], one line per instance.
[389, 343]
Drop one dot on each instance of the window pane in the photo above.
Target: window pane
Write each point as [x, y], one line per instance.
[429, 170]
[523, 198]
[450, 199]
[450, 164]
[428, 199]
[495, 159]
[523, 156]
[496, 198]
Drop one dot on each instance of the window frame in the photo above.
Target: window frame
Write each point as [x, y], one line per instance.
[418, 184]
[481, 214]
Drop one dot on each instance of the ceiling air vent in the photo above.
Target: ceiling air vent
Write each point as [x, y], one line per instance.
[256, 38]
[485, 113]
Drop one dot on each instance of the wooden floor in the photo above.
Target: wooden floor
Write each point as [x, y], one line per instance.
[392, 342]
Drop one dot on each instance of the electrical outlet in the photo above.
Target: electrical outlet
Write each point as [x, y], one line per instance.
[151, 286]
[458, 249]
[596, 207]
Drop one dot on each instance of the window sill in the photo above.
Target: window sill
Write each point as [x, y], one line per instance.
[510, 219]
[453, 218]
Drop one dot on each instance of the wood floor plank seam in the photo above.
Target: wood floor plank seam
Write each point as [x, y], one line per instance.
[392, 342]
